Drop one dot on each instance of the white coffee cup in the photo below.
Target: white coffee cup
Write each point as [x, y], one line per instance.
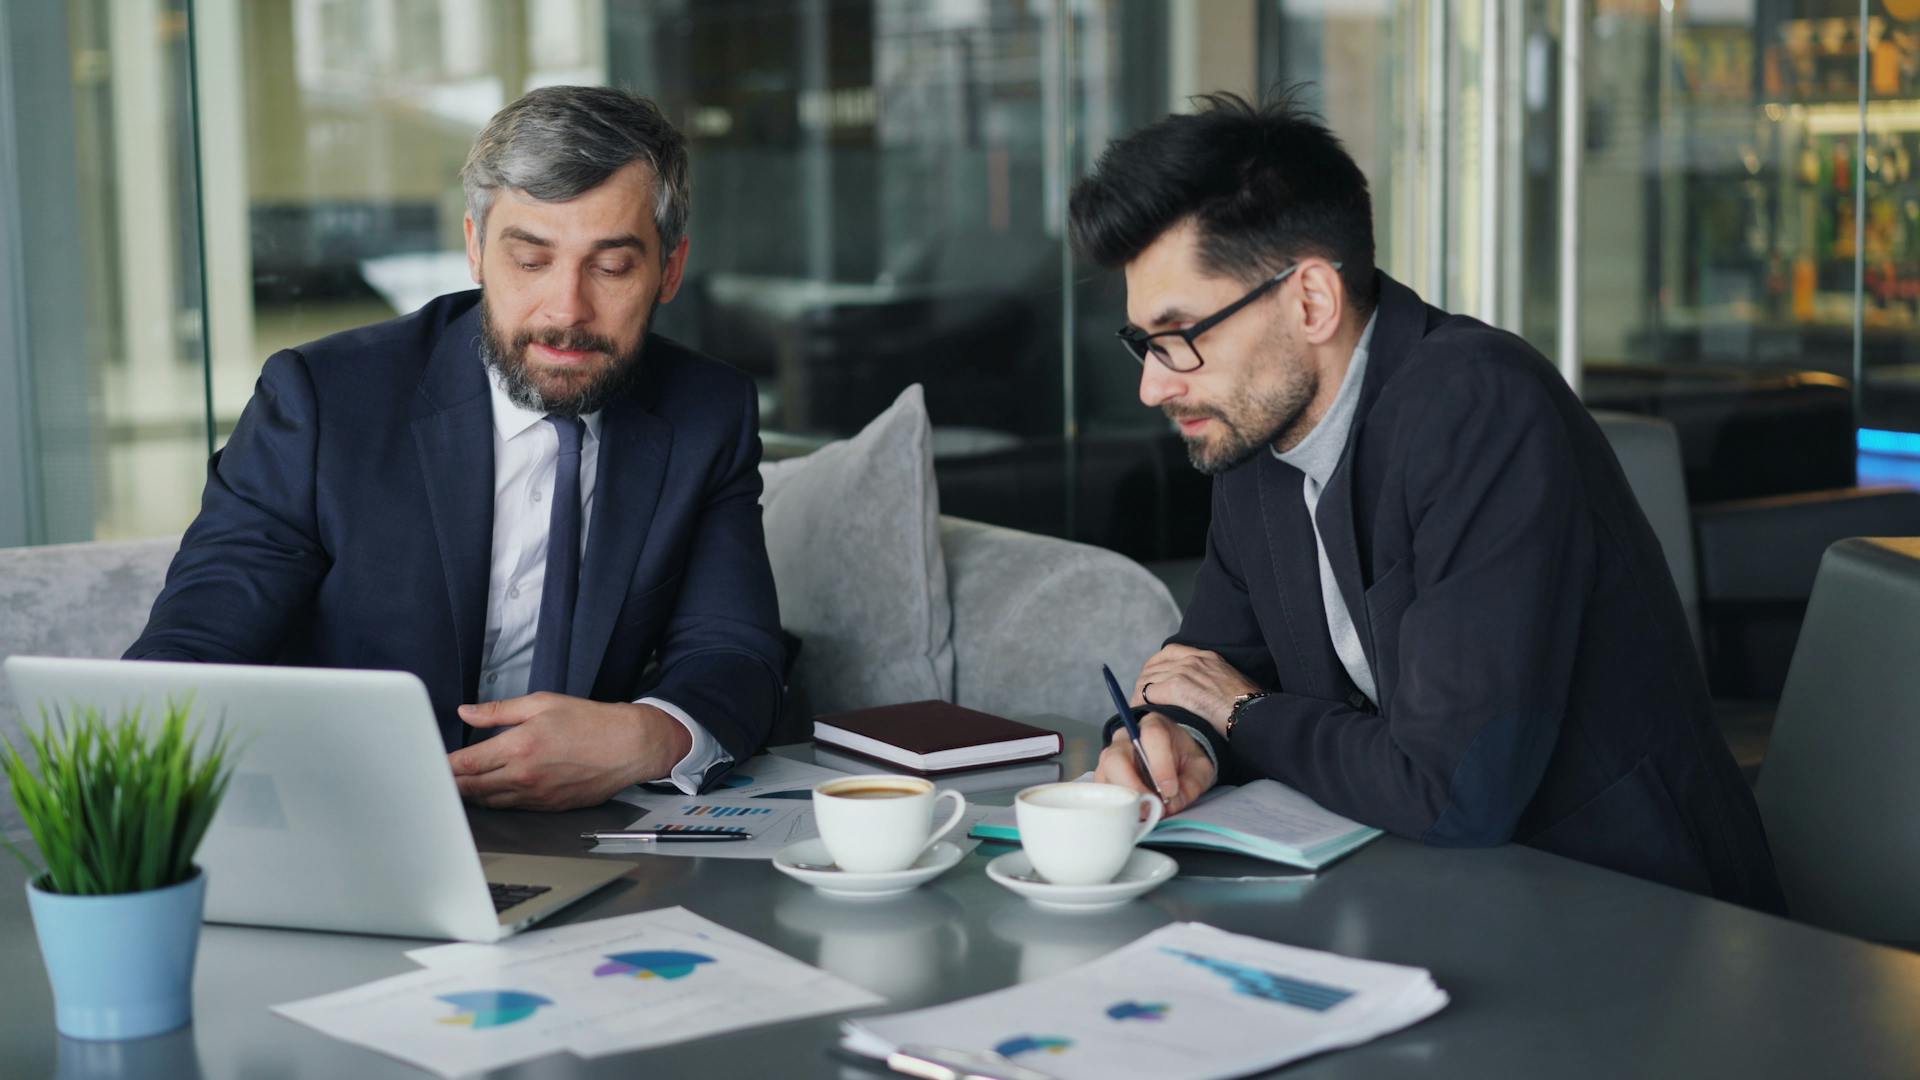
[1080, 833]
[876, 822]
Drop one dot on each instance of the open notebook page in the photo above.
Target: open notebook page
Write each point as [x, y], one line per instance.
[1271, 811]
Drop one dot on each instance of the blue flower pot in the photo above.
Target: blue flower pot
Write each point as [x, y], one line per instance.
[121, 965]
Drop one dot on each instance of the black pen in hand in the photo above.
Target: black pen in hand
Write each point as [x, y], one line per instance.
[1140, 762]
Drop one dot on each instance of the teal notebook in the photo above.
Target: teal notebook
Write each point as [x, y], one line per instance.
[1265, 819]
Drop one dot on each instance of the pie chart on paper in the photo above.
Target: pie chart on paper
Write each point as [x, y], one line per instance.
[667, 964]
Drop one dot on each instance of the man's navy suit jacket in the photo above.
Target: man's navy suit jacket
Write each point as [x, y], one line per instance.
[1537, 680]
[348, 522]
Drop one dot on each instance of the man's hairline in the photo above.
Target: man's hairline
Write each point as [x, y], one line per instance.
[493, 196]
[1252, 280]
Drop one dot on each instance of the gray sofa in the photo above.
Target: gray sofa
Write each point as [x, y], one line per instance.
[1032, 617]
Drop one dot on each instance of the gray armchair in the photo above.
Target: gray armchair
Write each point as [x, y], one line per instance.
[1745, 567]
[1837, 793]
[1649, 454]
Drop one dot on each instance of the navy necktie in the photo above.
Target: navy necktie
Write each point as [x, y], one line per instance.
[553, 639]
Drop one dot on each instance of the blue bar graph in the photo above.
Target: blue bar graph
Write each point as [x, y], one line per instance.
[1254, 982]
[708, 810]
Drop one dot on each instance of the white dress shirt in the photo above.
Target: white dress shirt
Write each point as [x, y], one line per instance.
[524, 454]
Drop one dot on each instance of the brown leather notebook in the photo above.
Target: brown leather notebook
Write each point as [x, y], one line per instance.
[934, 736]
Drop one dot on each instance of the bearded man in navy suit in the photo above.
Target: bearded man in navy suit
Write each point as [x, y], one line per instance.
[519, 494]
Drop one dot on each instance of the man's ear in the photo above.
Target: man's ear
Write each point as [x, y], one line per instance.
[676, 270]
[473, 249]
[1323, 299]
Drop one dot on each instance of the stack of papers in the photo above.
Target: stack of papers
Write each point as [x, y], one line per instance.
[1186, 1000]
[1265, 819]
[591, 988]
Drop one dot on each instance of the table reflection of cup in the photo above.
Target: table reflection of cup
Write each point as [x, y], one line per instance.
[1052, 942]
[172, 1055]
[900, 947]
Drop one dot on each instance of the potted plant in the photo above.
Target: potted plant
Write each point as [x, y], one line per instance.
[118, 810]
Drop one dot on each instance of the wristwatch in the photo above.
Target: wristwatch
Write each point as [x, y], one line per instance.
[1240, 705]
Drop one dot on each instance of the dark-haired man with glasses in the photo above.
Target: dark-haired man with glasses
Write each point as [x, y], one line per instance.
[1429, 600]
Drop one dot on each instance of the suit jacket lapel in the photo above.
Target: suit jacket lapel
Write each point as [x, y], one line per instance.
[453, 435]
[634, 448]
[1315, 668]
[1402, 320]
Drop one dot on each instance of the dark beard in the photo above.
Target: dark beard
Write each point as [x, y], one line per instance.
[1276, 415]
[593, 391]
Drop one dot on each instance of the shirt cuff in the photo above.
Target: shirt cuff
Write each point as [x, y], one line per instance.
[1205, 744]
[704, 755]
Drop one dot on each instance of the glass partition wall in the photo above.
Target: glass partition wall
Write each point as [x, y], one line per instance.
[879, 200]
[1760, 156]
[103, 416]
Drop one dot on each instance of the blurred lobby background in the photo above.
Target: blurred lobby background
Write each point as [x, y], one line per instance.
[1715, 219]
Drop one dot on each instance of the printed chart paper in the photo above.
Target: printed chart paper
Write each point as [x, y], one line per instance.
[1186, 1000]
[593, 988]
[541, 943]
[773, 824]
[767, 775]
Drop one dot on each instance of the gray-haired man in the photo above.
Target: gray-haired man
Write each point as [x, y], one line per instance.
[516, 493]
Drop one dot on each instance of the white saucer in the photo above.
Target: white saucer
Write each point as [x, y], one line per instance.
[933, 862]
[1144, 872]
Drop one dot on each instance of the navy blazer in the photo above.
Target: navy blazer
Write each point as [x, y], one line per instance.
[1537, 681]
[348, 522]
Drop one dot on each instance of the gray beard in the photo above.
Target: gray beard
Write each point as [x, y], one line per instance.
[510, 365]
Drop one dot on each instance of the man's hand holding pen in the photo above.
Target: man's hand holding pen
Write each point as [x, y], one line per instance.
[1182, 771]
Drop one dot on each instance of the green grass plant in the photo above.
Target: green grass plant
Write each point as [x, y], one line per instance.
[116, 807]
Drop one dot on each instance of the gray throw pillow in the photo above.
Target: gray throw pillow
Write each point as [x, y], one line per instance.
[853, 534]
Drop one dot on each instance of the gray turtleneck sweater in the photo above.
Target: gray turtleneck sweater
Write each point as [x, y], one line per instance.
[1317, 456]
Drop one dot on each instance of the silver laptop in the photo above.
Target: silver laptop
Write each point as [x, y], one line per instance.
[342, 814]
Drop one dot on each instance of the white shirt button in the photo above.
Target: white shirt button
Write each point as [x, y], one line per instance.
[493, 678]
[513, 591]
[537, 496]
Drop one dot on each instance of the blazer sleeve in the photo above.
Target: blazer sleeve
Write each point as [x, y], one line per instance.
[250, 562]
[1502, 562]
[1219, 616]
[721, 651]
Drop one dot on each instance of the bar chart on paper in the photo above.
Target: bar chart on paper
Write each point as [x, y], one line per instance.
[708, 810]
[678, 827]
[1267, 985]
[773, 825]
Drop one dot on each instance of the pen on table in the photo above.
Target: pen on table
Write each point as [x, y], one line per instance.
[666, 837]
[1133, 729]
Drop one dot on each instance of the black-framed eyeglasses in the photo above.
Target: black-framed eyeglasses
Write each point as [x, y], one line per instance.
[1185, 356]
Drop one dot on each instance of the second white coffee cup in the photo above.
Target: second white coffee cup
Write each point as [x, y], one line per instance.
[1080, 833]
[877, 822]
